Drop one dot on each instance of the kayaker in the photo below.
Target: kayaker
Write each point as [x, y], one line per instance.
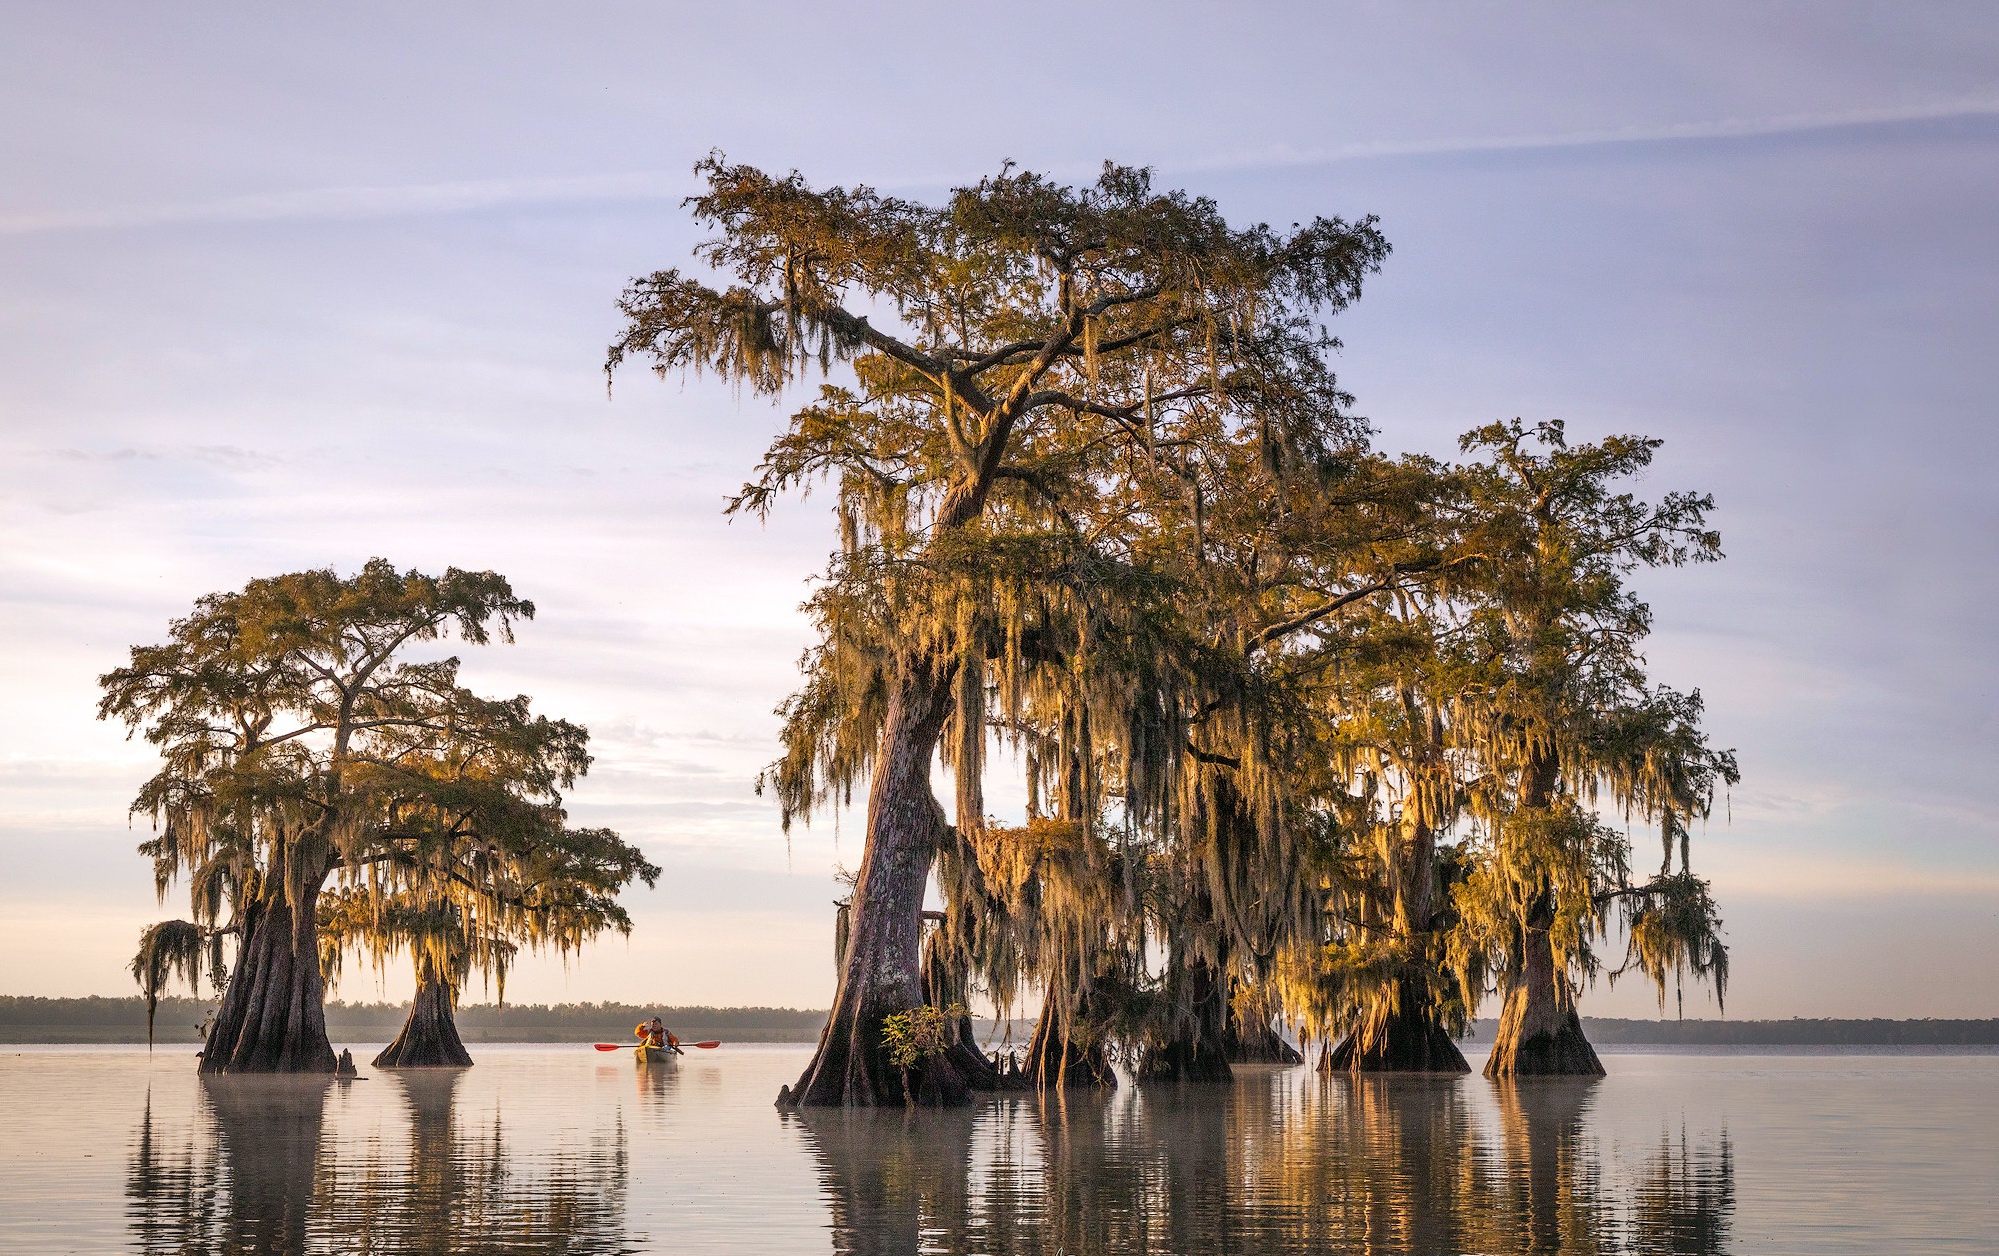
[657, 1036]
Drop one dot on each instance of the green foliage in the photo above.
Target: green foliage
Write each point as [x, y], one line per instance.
[1341, 727]
[167, 948]
[300, 741]
[1673, 932]
[914, 1036]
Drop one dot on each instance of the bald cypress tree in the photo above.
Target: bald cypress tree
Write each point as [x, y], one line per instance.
[1030, 364]
[473, 857]
[262, 703]
[1382, 979]
[1568, 720]
[302, 743]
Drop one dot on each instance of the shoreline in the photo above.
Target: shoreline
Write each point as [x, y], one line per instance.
[122, 1021]
[1474, 1050]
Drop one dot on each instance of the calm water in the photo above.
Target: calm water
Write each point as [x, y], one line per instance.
[541, 1149]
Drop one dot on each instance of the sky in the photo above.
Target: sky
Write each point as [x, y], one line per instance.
[294, 286]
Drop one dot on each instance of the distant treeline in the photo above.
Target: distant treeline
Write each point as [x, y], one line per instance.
[27, 1019]
[97, 1019]
[1797, 1032]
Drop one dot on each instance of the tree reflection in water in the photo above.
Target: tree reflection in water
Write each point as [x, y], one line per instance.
[248, 1187]
[1685, 1202]
[267, 1179]
[1281, 1162]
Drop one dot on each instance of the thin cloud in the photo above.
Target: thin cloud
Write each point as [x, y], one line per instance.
[1725, 129]
[471, 196]
[229, 457]
[362, 202]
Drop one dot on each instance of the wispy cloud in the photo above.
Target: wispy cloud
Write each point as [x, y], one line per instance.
[471, 196]
[1723, 129]
[362, 202]
[228, 457]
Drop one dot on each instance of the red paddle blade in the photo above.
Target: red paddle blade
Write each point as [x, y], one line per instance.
[710, 1045]
[609, 1046]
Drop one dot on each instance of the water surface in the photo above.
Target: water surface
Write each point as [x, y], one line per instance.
[559, 1149]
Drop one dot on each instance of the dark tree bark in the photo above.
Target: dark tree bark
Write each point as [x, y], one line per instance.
[1055, 1059]
[1197, 1050]
[1540, 1034]
[1258, 1043]
[945, 985]
[430, 1036]
[1410, 1039]
[273, 1016]
[881, 971]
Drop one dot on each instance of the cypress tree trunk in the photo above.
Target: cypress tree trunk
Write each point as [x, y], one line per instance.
[1409, 1039]
[273, 1016]
[880, 972]
[1540, 1034]
[1197, 1051]
[1253, 1042]
[945, 984]
[1055, 1059]
[430, 1036]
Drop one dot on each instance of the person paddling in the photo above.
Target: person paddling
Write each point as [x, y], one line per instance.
[657, 1036]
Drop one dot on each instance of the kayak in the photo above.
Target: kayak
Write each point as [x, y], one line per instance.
[652, 1055]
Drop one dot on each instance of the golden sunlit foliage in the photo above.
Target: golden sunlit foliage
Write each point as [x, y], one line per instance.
[1306, 730]
[303, 740]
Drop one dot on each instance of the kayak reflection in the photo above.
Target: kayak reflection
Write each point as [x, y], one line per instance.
[1281, 1162]
[656, 1081]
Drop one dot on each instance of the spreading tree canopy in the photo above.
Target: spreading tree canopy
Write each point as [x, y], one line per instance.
[1037, 372]
[302, 737]
[1306, 729]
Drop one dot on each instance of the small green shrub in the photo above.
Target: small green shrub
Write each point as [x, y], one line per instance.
[914, 1036]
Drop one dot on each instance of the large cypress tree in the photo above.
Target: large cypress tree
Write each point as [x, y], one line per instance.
[1030, 362]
